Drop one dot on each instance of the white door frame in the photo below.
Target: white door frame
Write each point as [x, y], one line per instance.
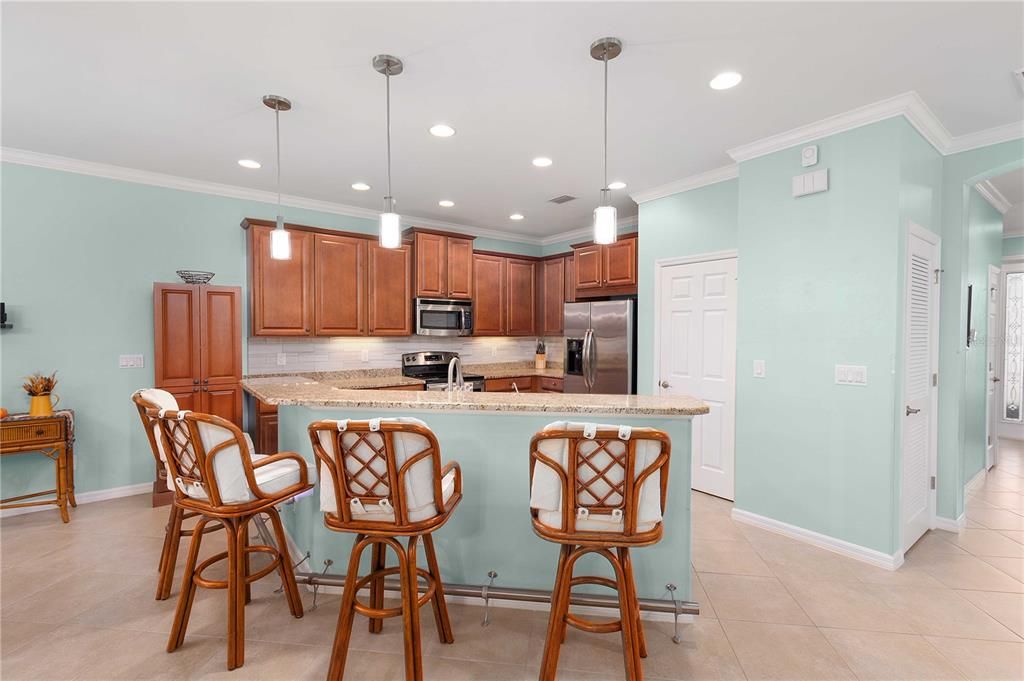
[659, 267]
[993, 358]
[933, 438]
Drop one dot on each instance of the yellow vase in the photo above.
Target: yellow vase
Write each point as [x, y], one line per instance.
[40, 405]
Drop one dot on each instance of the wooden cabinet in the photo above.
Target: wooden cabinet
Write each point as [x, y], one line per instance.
[520, 297]
[443, 265]
[606, 270]
[551, 275]
[282, 290]
[389, 290]
[570, 279]
[265, 439]
[339, 285]
[509, 385]
[549, 384]
[488, 295]
[197, 353]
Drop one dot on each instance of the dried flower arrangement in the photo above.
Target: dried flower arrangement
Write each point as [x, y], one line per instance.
[37, 384]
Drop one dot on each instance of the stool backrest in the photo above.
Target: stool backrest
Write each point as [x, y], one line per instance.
[581, 470]
[392, 463]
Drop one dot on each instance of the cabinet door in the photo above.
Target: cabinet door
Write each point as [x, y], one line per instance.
[588, 267]
[570, 279]
[520, 297]
[176, 344]
[220, 326]
[266, 434]
[339, 285]
[488, 295]
[431, 265]
[553, 297]
[187, 397]
[282, 290]
[224, 401]
[620, 263]
[460, 268]
[389, 290]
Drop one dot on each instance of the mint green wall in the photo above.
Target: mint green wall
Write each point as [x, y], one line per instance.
[502, 246]
[1012, 246]
[985, 235]
[817, 287]
[703, 220]
[960, 173]
[79, 258]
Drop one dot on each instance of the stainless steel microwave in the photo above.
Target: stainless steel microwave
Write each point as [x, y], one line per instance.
[437, 317]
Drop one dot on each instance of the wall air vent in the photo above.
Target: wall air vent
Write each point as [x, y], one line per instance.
[564, 198]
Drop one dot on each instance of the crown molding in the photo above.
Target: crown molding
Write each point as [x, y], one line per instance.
[704, 179]
[985, 138]
[113, 172]
[628, 221]
[989, 192]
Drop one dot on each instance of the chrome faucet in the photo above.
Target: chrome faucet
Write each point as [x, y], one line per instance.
[455, 369]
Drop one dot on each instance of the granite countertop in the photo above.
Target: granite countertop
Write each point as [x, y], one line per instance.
[514, 369]
[308, 393]
[367, 379]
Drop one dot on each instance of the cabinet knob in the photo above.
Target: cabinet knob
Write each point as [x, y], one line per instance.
[39, 432]
[195, 381]
[205, 388]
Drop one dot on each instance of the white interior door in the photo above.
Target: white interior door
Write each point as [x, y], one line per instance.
[992, 351]
[920, 367]
[697, 356]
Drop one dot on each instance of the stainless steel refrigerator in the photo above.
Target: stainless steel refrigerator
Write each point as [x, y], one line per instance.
[600, 347]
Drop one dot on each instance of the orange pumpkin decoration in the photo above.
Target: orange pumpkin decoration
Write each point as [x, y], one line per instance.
[3, 413]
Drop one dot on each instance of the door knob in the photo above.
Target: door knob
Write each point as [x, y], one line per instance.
[665, 384]
[912, 411]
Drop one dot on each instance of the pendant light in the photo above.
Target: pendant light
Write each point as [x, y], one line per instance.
[605, 215]
[280, 240]
[390, 223]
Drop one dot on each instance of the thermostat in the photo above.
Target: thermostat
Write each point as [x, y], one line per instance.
[809, 155]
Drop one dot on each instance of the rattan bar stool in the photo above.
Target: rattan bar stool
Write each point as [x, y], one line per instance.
[582, 498]
[217, 478]
[382, 480]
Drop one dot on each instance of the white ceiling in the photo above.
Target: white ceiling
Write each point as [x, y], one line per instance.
[175, 88]
[1010, 185]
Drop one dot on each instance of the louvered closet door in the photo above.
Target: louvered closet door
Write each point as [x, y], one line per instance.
[919, 371]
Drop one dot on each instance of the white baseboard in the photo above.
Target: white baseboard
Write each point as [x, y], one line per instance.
[822, 541]
[950, 525]
[86, 498]
[977, 481]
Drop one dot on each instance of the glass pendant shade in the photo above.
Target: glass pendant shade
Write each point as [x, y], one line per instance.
[605, 225]
[280, 242]
[390, 230]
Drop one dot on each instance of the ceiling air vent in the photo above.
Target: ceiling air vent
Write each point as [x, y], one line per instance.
[564, 198]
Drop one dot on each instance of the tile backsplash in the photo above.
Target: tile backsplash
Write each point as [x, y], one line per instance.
[337, 354]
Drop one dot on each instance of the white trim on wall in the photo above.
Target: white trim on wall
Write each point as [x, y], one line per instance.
[710, 177]
[822, 541]
[949, 525]
[990, 193]
[86, 498]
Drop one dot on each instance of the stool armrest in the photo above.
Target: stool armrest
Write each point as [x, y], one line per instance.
[282, 456]
[453, 466]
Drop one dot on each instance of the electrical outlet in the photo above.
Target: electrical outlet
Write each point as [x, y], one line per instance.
[851, 375]
[759, 369]
[494, 350]
[282, 359]
[130, 362]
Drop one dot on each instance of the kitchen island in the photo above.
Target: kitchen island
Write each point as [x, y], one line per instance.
[489, 435]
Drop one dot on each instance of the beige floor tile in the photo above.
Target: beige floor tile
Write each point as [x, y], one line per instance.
[698, 594]
[1011, 566]
[876, 656]
[716, 527]
[1011, 501]
[68, 598]
[983, 660]
[265, 661]
[505, 640]
[808, 563]
[933, 543]
[940, 612]
[784, 651]
[911, 573]
[1015, 535]
[443, 669]
[752, 599]
[15, 634]
[970, 572]
[21, 582]
[846, 605]
[1008, 609]
[728, 557]
[1005, 481]
[988, 543]
[997, 518]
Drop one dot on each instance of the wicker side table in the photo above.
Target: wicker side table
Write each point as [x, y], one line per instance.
[53, 437]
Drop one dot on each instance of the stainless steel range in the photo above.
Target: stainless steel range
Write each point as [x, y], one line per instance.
[433, 367]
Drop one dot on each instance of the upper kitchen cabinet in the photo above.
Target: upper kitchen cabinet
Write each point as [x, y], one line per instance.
[552, 295]
[605, 270]
[339, 283]
[389, 290]
[443, 264]
[488, 294]
[282, 290]
[520, 297]
[570, 279]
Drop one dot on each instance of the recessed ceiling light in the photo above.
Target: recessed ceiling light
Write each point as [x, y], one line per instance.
[360, 186]
[249, 163]
[724, 81]
[617, 185]
[445, 203]
[542, 161]
[515, 216]
[442, 130]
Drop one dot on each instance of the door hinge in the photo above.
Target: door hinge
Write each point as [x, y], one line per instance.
[933, 482]
[935, 380]
[937, 273]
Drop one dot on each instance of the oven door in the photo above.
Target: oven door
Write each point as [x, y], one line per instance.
[443, 318]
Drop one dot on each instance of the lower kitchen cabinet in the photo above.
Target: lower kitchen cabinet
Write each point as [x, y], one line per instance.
[509, 385]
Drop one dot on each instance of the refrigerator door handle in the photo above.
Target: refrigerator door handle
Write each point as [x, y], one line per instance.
[587, 339]
[593, 360]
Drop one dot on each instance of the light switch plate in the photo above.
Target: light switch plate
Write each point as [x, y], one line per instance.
[282, 359]
[848, 374]
[130, 362]
[364, 355]
[759, 369]
[810, 183]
